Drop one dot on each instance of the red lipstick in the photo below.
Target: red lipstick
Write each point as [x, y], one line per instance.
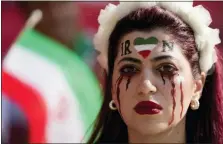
[147, 107]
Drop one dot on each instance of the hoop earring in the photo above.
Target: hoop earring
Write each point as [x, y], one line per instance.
[194, 104]
[112, 105]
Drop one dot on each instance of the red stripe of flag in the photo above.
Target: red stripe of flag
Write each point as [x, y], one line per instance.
[30, 102]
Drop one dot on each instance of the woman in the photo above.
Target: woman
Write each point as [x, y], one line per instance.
[164, 74]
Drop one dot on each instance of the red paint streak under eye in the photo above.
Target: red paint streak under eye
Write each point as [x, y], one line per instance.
[144, 53]
[118, 93]
[181, 99]
[118, 89]
[161, 74]
[117, 80]
[173, 93]
[128, 82]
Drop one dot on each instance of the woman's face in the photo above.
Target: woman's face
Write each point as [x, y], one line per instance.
[152, 82]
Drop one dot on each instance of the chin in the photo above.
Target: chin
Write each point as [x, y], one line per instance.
[147, 126]
[151, 128]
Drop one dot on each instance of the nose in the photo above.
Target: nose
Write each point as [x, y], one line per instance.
[146, 87]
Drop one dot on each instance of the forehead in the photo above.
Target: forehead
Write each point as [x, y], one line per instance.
[158, 33]
[155, 38]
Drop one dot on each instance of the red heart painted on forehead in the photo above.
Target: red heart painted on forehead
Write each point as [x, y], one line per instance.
[144, 46]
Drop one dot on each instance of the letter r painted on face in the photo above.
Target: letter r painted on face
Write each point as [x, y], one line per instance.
[125, 48]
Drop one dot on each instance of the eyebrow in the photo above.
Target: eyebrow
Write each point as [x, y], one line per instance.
[130, 59]
[163, 57]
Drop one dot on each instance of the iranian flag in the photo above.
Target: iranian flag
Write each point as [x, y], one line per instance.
[145, 46]
[58, 94]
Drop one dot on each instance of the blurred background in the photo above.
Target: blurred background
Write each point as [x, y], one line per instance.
[73, 25]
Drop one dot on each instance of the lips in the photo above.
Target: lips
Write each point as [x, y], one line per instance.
[147, 107]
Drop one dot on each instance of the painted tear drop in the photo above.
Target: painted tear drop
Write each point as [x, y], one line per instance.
[161, 74]
[128, 82]
[118, 82]
[118, 88]
[173, 94]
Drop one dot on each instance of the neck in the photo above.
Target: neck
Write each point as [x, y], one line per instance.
[174, 135]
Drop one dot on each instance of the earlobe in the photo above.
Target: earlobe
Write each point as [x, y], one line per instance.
[203, 78]
[198, 89]
[199, 84]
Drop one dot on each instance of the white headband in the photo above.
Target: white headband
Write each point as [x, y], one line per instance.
[197, 17]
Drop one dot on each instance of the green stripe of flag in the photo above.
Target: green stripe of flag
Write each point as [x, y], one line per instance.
[79, 76]
[142, 41]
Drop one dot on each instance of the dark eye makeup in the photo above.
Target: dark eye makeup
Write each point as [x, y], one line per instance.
[167, 69]
[129, 70]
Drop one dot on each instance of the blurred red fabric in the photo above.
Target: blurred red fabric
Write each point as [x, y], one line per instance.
[12, 23]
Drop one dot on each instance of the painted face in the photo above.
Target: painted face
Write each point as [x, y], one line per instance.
[152, 82]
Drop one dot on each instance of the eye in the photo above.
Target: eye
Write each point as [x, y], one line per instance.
[129, 70]
[167, 69]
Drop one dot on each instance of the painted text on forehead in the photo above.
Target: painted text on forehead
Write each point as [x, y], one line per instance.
[167, 45]
[144, 45]
[125, 48]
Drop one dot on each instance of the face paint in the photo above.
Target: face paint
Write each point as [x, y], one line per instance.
[162, 78]
[145, 46]
[180, 80]
[118, 82]
[128, 82]
[170, 74]
[125, 48]
[168, 45]
[173, 93]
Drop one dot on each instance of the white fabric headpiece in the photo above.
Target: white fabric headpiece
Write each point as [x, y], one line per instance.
[198, 18]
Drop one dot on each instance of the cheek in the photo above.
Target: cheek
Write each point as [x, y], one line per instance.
[181, 85]
[176, 96]
[129, 85]
[128, 97]
[124, 90]
[183, 97]
[121, 86]
[185, 92]
[116, 87]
